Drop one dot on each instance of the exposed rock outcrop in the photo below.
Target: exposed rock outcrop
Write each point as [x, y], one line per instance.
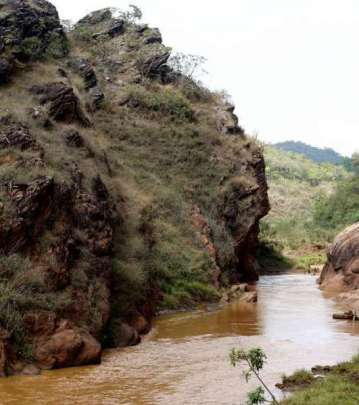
[341, 272]
[110, 211]
[29, 30]
[64, 105]
[153, 59]
[105, 22]
[244, 204]
[16, 135]
[73, 138]
[86, 71]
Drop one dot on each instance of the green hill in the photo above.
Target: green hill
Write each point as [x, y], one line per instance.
[296, 184]
[318, 155]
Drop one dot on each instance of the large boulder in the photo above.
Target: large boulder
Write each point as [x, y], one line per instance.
[67, 347]
[341, 271]
[29, 30]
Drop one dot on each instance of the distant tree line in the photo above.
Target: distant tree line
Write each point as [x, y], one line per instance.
[319, 155]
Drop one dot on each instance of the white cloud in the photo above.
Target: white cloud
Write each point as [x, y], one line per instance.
[291, 66]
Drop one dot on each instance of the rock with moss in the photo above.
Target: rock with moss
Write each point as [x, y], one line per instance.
[29, 30]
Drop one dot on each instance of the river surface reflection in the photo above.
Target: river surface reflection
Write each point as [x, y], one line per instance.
[185, 358]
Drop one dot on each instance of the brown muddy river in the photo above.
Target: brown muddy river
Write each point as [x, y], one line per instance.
[185, 358]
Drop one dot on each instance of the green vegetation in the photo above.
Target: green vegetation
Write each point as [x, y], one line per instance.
[305, 261]
[271, 257]
[299, 379]
[255, 359]
[21, 289]
[298, 190]
[339, 387]
[339, 209]
[165, 101]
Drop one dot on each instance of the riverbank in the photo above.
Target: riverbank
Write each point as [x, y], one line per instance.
[334, 385]
[274, 259]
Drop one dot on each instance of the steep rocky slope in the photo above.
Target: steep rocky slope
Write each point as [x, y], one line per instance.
[125, 187]
[341, 272]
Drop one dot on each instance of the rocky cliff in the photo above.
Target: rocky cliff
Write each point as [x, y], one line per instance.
[126, 187]
[341, 272]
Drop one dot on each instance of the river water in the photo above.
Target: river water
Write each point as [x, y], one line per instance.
[185, 358]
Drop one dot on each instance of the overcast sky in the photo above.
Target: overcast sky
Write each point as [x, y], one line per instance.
[292, 67]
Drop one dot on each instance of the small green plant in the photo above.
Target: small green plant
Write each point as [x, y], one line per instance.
[256, 396]
[307, 261]
[255, 359]
[166, 101]
[298, 379]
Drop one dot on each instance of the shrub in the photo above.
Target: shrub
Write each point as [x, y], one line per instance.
[298, 379]
[58, 46]
[341, 208]
[199, 291]
[31, 47]
[305, 262]
[165, 101]
[13, 264]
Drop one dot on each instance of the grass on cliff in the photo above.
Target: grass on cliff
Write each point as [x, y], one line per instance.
[167, 165]
[339, 387]
[166, 150]
[22, 289]
[161, 154]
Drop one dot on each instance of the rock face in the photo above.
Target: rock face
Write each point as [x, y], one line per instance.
[64, 105]
[341, 271]
[104, 20]
[83, 68]
[110, 211]
[84, 240]
[244, 204]
[29, 30]
[16, 135]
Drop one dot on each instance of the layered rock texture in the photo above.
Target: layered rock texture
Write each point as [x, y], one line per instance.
[341, 272]
[29, 30]
[126, 187]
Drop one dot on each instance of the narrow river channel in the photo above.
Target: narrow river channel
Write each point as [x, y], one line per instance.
[185, 358]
